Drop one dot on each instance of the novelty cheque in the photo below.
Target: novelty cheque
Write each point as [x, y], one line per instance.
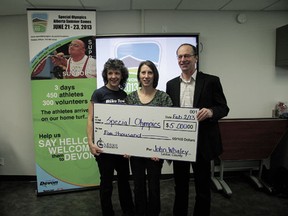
[146, 131]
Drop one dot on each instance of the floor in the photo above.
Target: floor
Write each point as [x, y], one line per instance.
[19, 198]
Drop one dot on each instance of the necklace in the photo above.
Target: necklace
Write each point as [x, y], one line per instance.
[147, 96]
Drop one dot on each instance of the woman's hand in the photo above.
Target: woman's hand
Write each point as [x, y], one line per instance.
[95, 150]
[126, 156]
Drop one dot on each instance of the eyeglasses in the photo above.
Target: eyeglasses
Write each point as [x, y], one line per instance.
[186, 56]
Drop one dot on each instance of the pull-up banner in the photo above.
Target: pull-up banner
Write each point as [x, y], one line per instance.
[63, 77]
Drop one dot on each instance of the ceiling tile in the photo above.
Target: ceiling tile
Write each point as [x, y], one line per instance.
[107, 4]
[18, 7]
[202, 4]
[155, 4]
[56, 4]
[249, 5]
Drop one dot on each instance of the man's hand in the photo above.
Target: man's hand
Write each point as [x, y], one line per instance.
[204, 113]
[58, 59]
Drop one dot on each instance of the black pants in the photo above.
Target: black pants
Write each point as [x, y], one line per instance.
[146, 204]
[202, 174]
[107, 163]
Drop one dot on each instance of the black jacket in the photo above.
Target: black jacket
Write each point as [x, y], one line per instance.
[208, 94]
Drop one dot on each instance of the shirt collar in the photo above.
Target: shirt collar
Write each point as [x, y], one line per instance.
[189, 81]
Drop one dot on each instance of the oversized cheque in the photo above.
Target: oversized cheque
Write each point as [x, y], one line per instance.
[146, 131]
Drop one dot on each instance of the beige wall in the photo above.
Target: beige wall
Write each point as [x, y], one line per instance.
[242, 55]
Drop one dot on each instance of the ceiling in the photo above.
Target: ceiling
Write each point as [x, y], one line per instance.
[18, 7]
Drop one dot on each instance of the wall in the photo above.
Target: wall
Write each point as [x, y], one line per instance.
[16, 133]
[242, 55]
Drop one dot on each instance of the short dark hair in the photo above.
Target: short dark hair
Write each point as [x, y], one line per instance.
[116, 64]
[154, 69]
[194, 48]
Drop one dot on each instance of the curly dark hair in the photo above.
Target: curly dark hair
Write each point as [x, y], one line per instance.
[154, 69]
[116, 64]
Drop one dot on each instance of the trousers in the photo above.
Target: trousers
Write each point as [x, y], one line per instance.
[202, 174]
[107, 163]
[145, 169]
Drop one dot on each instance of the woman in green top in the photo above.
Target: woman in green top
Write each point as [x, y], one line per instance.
[147, 95]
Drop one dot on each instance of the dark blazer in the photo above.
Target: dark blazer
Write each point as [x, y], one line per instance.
[208, 94]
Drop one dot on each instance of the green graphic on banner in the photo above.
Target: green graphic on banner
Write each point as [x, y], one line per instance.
[60, 118]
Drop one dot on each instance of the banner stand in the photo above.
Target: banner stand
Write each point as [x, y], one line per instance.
[63, 76]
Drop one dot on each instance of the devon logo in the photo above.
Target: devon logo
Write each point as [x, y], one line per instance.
[39, 22]
[132, 53]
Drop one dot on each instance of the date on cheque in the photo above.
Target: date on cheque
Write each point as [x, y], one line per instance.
[179, 125]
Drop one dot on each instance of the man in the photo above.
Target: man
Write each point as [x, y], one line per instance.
[198, 90]
[79, 65]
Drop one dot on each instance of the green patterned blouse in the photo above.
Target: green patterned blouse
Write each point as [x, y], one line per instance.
[161, 98]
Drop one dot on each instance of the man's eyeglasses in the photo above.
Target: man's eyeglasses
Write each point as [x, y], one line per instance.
[186, 56]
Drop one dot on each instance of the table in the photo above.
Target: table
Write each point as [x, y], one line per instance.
[250, 139]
